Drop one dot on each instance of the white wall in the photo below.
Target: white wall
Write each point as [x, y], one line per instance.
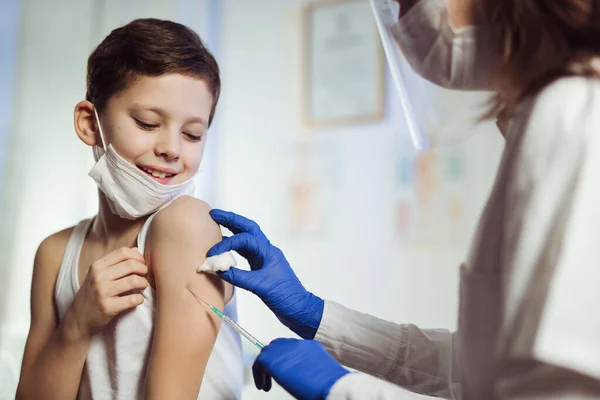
[9, 46]
[360, 262]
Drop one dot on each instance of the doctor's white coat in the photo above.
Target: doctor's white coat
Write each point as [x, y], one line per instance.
[529, 318]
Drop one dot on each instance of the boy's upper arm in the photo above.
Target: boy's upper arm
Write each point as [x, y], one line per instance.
[44, 318]
[185, 331]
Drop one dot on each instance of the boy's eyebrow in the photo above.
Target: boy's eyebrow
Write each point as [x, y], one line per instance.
[163, 114]
[198, 120]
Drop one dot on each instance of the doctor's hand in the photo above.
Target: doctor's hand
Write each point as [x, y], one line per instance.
[271, 278]
[302, 367]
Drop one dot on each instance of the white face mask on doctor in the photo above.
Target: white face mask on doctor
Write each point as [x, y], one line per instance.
[463, 58]
[129, 191]
[427, 58]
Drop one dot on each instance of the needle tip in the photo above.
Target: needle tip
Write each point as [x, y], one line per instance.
[197, 297]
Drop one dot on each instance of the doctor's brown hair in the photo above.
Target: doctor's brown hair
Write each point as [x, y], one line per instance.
[541, 41]
[149, 47]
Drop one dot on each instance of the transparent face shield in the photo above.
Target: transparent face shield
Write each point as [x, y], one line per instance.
[435, 116]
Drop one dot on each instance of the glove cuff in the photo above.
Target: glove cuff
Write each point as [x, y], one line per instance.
[335, 377]
[313, 314]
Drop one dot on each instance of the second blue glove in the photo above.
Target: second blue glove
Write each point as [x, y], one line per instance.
[302, 367]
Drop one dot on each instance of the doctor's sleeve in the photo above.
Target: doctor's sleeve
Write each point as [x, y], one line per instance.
[358, 386]
[421, 361]
[550, 346]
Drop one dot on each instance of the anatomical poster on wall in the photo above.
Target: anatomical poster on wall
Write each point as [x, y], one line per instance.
[312, 187]
[430, 197]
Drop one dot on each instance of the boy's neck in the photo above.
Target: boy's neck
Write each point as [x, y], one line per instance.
[110, 229]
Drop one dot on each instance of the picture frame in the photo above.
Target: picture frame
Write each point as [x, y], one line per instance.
[343, 64]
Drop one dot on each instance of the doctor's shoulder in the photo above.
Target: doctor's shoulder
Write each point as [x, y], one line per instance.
[564, 111]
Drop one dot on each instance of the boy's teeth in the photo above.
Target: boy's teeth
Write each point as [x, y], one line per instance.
[157, 174]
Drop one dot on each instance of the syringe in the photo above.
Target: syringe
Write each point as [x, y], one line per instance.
[230, 322]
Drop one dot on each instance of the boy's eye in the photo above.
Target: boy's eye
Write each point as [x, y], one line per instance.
[193, 138]
[145, 125]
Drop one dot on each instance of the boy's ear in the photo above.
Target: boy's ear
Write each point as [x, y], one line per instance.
[85, 123]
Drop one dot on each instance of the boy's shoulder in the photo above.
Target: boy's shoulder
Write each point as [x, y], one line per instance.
[184, 211]
[51, 250]
[186, 217]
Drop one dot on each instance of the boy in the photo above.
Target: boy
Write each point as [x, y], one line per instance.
[111, 316]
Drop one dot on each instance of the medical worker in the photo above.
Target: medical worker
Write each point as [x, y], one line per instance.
[529, 324]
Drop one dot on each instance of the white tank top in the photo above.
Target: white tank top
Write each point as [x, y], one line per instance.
[117, 358]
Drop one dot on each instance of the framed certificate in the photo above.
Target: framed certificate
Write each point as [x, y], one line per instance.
[343, 71]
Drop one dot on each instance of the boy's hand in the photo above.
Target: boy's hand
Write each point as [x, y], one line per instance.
[111, 286]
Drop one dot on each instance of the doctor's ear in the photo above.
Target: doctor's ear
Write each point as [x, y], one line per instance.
[85, 123]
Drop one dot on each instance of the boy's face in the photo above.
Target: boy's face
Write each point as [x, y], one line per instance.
[160, 124]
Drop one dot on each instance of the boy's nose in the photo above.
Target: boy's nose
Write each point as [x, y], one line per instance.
[169, 147]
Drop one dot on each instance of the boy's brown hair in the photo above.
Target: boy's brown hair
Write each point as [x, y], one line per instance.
[149, 47]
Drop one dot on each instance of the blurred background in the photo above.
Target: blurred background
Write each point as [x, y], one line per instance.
[363, 218]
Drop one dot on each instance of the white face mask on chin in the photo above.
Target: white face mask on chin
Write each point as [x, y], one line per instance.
[129, 191]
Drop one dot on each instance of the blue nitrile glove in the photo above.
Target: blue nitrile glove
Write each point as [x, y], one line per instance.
[271, 278]
[302, 367]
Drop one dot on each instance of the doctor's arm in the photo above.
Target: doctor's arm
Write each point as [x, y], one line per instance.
[185, 332]
[422, 361]
[308, 372]
[403, 354]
